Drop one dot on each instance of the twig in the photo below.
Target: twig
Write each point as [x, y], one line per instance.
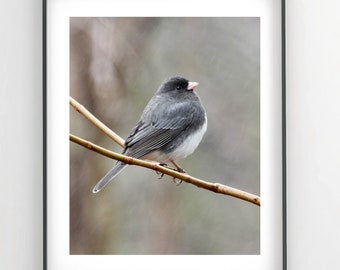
[215, 187]
[81, 109]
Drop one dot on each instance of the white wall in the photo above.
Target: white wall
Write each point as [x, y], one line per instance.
[313, 132]
[21, 135]
[313, 96]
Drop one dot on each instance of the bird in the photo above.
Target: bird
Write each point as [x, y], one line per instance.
[170, 128]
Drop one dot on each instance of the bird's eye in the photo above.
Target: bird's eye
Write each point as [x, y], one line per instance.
[178, 87]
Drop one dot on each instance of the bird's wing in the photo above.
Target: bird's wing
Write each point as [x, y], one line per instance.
[154, 131]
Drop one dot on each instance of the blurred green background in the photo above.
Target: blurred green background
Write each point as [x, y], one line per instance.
[116, 65]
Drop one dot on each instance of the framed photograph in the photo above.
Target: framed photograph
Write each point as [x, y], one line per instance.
[188, 97]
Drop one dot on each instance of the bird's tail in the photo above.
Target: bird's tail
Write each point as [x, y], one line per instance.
[109, 176]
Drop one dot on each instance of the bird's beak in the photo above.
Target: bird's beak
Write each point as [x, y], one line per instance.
[192, 85]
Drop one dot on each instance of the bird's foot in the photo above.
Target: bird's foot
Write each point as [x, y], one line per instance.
[160, 173]
[177, 169]
[177, 181]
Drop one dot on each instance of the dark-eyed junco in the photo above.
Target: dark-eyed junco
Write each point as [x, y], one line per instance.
[170, 128]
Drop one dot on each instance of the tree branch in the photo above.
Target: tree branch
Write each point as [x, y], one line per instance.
[215, 187]
[81, 109]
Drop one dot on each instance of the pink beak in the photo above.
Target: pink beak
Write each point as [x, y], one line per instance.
[192, 85]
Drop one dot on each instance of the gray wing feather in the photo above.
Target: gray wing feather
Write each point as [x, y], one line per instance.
[154, 131]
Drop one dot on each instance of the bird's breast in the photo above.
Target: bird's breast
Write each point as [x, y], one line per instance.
[188, 146]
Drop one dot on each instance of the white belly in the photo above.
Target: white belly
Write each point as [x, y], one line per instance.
[182, 151]
[189, 146]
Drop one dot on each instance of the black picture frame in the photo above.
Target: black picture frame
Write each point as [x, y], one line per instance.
[47, 124]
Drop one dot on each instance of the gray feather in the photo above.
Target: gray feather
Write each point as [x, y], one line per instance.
[109, 176]
[162, 125]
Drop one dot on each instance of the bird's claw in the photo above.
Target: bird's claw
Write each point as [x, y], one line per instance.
[160, 173]
[178, 169]
[177, 181]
